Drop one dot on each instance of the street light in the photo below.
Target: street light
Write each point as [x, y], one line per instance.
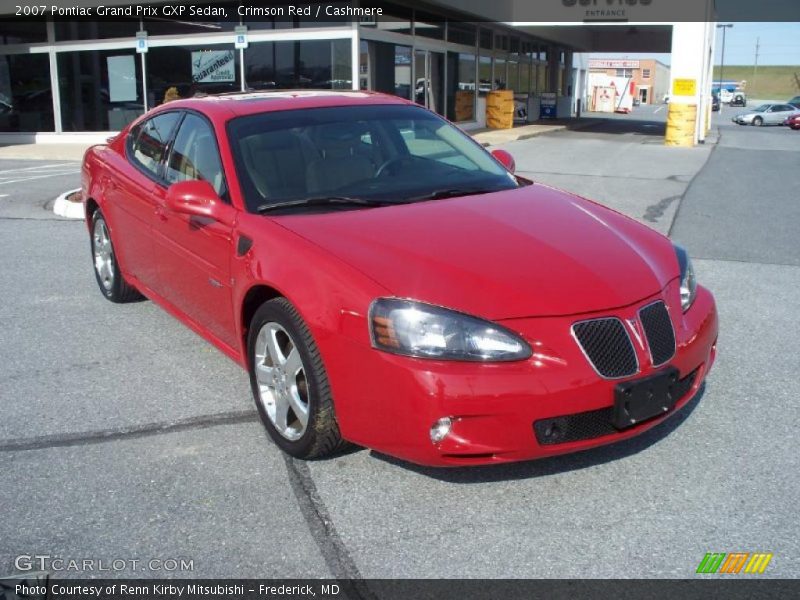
[724, 27]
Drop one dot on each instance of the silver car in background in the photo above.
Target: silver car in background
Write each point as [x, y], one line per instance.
[766, 114]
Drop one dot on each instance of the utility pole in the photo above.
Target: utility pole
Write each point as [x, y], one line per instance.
[755, 64]
[724, 27]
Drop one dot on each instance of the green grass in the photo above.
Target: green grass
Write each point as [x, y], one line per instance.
[770, 83]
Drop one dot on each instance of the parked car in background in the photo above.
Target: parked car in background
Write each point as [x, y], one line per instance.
[793, 121]
[795, 102]
[386, 281]
[766, 114]
[738, 98]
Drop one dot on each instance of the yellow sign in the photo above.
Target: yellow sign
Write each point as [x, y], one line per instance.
[684, 87]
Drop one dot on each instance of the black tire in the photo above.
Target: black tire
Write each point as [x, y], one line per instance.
[758, 121]
[115, 288]
[321, 437]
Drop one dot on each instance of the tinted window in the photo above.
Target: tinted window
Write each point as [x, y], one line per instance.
[195, 155]
[149, 145]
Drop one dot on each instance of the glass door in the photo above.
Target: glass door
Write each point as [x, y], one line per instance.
[429, 79]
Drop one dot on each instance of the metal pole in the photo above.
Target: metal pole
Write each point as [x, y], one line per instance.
[755, 66]
[724, 27]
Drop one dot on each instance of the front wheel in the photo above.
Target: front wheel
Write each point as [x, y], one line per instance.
[758, 121]
[106, 269]
[289, 383]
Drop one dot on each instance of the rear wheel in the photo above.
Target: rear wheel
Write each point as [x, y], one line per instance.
[289, 383]
[758, 121]
[106, 269]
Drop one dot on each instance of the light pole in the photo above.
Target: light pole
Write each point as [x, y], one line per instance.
[724, 27]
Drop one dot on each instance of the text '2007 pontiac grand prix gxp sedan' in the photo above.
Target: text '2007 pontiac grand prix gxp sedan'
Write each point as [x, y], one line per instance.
[387, 282]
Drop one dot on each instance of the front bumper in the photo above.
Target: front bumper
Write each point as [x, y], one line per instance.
[388, 402]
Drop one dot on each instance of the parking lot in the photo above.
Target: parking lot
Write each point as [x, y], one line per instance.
[126, 436]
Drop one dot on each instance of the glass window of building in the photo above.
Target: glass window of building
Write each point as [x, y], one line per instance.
[317, 64]
[26, 101]
[500, 81]
[183, 71]
[101, 90]
[385, 68]
[543, 84]
[183, 24]
[484, 75]
[524, 77]
[428, 26]
[95, 30]
[461, 33]
[512, 75]
[395, 18]
[18, 31]
[485, 39]
[461, 88]
[645, 73]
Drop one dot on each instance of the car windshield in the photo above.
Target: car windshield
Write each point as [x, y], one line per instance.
[369, 155]
[761, 108]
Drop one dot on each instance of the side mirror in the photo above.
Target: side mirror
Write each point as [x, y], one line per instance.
[505, 159]
[194, 197]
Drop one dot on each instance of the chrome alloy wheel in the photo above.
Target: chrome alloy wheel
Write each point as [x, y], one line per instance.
[103, 254]
[282, 384]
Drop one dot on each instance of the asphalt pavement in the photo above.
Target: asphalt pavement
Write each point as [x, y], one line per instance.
[126, 436]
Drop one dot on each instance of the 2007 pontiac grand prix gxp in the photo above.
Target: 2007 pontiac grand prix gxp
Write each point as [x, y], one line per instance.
[387, 282]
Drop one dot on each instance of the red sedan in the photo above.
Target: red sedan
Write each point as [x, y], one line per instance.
[793, 121]
[387, 282]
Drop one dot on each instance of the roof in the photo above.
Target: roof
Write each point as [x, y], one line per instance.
[237, 104]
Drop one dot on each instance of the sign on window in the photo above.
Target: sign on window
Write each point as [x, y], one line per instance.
[213, 66]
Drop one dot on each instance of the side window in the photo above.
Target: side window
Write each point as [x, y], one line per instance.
[195, 155]
[150, 144]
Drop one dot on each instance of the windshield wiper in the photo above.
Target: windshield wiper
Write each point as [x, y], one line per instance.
[450, 193]
[320, 201]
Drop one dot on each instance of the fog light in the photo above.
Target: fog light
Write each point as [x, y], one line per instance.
[440, 429]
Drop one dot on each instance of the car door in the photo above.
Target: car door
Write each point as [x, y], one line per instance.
[129, 199]
[777, 114]
[194, 252]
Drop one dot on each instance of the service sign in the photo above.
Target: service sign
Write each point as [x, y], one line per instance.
[213, 66]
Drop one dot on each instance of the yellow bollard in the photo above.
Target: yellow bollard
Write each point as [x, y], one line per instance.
[681, 120]
[500, 109]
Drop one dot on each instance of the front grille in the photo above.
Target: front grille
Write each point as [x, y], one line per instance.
[593, 423]
[658, 330]
[607, 346]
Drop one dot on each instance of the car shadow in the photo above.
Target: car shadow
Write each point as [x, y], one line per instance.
[556, 464]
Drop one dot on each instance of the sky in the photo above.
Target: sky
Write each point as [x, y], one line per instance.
[779, 45]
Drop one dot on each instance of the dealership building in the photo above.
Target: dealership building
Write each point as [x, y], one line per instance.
[78, 76]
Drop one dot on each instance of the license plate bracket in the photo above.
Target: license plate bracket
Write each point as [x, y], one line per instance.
[642, 399]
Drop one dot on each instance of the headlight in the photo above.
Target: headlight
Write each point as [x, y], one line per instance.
[425, 331]
[688, 281]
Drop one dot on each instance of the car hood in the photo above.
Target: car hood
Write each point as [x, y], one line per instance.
[531, 251]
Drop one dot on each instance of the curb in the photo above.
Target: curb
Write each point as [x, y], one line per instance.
[70, 210]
